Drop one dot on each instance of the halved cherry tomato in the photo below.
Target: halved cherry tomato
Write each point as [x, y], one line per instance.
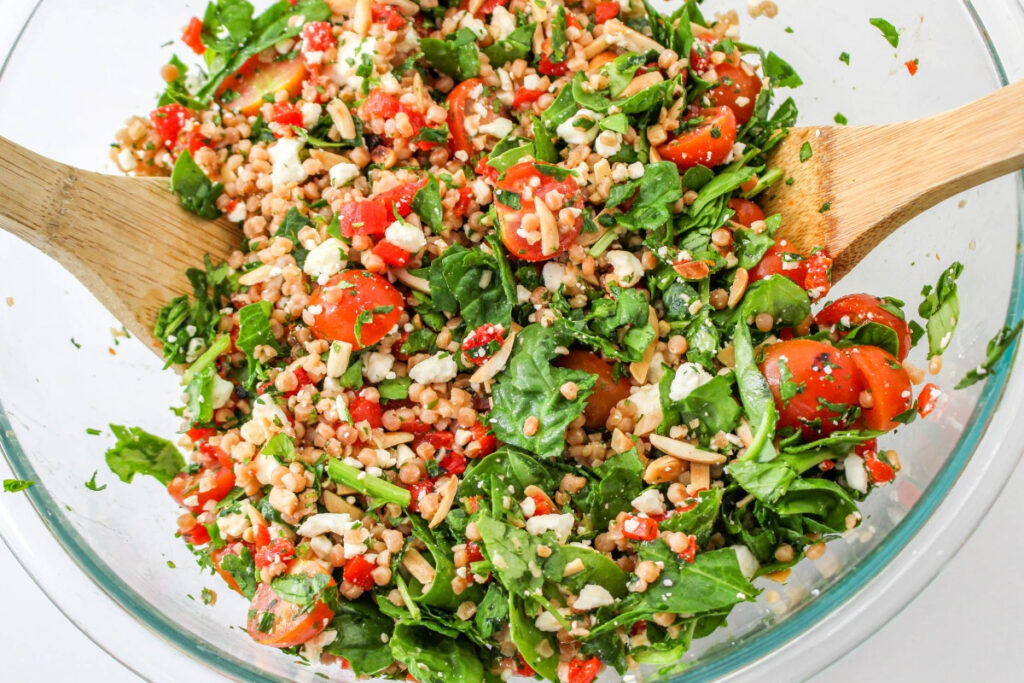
[214, 479]
[526, 96]
[168, 122]
[289, 624]
[709, 144]
[605, 11]
[819, 275]
[197, 535]
[267, 79]
[822, 385]
[192, 35]
[356, 298]
[363, 409]
[439, 440]
[607, 391]
[301, 380]
[358, 572]
[317, 36]
[927, 399]
[482, 343]
[738, 90]
[781, 259]
[640, 528]
[287, 114]
[747, 212]
[391, 254]
[525, 180]
[217, 559]
[887, 382]
[278, 550]
[852, 310]
[549, 68]
[584, 670]
[461, 97]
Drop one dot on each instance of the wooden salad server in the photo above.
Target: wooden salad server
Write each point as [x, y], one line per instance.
[129, 241]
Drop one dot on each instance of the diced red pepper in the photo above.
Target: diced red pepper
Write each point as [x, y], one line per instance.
[417, 491]
[399, 199]
[287, 114]
[168, 122]
[542, 505]
[358, 572]
[819, 275]
[317, 36]
[486, 170]
[465, 197]
[549, 68]
[640, 528]
[302, 378]
[689, 553]
[391, 254]
[483, 435]
[197, 535]
[605, 11]
[365, 217]
[453, 462]
[194, 139]
[571, 20]
[473, 552]
[438, 440]
[584, 670]
[929, 397]
[524, 669]
[364, 409]
[482, 343]
[911, 67]
[278, 550]
[197, 434]
[826, 465]
[881, 472]
[387, 15]
[192, 35]
[525, 96]
[262, 536]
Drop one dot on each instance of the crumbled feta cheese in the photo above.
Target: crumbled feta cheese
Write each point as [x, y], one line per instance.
[377, 366]
[522, 294]
[528, 506]
[689, 376]
[608, 143]
[342, 174]
[220, 392]
[237, 212]
[405, 236]
[310, 114]
[437, 368]
[321, 545]
[126, 159]
[561, 525]
[312, 648]
[547, 622]
[499, 127]
[650, 502]
[531, 82]
[856, 473]
[627, 267]
[325, 522]
[579, 136]
[232, 525]
[748, 563]
[265, 466]
[593, 596]
[285, 164]
[553, 272]
[267, 419]
[351, 48]
[325, 259]
[474, 25]
[503, 21]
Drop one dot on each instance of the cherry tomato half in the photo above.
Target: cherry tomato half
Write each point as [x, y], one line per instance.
[286, 624]
[526, 181]
[708, 144]
[461, 97]
[266, 79]
[214, 479]
[887, 383]
[747, 212]
[217, 559]
[781, 259]
[607, 391]
[852, 310]
[356, 306]
[738, 90]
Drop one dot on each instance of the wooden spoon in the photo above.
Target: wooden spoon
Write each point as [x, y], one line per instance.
[129, 241]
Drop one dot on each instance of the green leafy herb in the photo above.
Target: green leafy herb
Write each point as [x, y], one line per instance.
[300, 589]
[16, 485]
[289, 228]
[195, 190]
[280, 446]
[806, 152]
[889, 31]
[242, 569]
[517, 45]
[362, 630]
[427, 205]
[840, 119]
[254, 330]
[941, 308]
[844, 57]
[994, 350]
[91, 484]
[455, 55]
[460, 284]
[139, 452]
[782, 74]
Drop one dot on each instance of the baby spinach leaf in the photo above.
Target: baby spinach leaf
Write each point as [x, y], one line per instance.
[186, 326]
[439, 593]
[994, 350]
[492, 613]
[782, 74]
[558, 40]
[538, 649]
[653, 195]
[560, 110]
[513, 468]
[757, 399]
[778, 296]
[543, 142]
[455, 55]
[195, 190]
[513, 555]
[292, 222]
[300, 589]
[200, 395]
[465, 282]
[597, 568]
[620, 481]
[254, 330]
[434, 659]
[941, 308]
[280, 446]
[620, 71]
[699, 520]
[712, 404]
[586, 99]
[427, 205]
[766, 481]
[139, 452]
[873, 334]
[17, 485]
[362, 631]
[516, 45]
[889, 31]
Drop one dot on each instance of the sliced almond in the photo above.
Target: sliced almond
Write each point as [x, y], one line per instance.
[686, 451]
[342, 118]
[613, 28]
[451, 487]
[338, 358]
[642, 82]
[700, 475]
[407, 6]
[664, 470]
[781, 576]
[418, 566]
[549, 238]
[411, 281]
[362, 17]
[574, 567]
[620, 442]
[392, 439]
[495, 363]
[727, 356]
[338, 505]
[327, 159]
[474, 5]
[638, 370]
[254, 277]
[538, 36]
[739, 287]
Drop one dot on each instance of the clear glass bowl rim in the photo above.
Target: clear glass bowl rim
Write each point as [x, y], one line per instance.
[719, 665]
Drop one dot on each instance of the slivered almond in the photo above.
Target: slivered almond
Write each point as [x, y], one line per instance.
[574, 567]
[739, 287]
[664, 470]
[495, 363]
[535, 493]
[342, 118]
[327, 159]
[685, 451]
[653, 155]
[338, 505]
[700, 475]
[412, 281]
[474, 5]
[638, 369]
[338, 358]
[422, 98]
[343, 490]
[634, 39]
[642, 82]
[548, 228]
[451, 487]
[392, 439]
[362, 17]
[253, 277]
[596, 47]
[538, 37]
[418, 566]
[407, 6]
[727, 356]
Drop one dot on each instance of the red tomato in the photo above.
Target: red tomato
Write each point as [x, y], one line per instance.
[362, 409]
[391, 254]
[689, 553]
[387, 15]
[399, 199]
[301, 378]
[484, 438]
[708, 144]
[852, 310]
[888, 384]
[192, 37]
[482, 343]
[364, 217]
[776, 262]
[195, 139]
[217, 558]
[640, 528]
[197, 535]
[584, 670]
[197, 434]
[825, 383]
[287, 114]
[356, 297]
[473, 552]
[279, 550]
[928, 398]
[911, 66]
[358, 572]
[525, 95]
[607, 391]
[266, 79]
[746, 211]
[453, 463]
[524, 669]
[486, 8]
[168, 122]
[605, 11]
[439, 440]
[214, 479]
[549, 68]
[317, 36]
[738, 90]
[465, 197]
[542, 505]
[486, 170]
[881, 472]
[520, 178]
[462, 96]
[819, 275]
[382, 105]
[290, 625]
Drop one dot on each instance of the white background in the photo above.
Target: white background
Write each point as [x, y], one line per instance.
[964, 626]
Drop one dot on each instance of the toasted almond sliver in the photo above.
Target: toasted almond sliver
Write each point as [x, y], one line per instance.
[536, 492]
[638, 370]
[408, 6]
[338, 505]
[596, 47]
[700, 475]
[642, 82]
[474, 5]
[739, 287]
[257, 276]
[327, 159]
[574, 567]
[412, 281]
[780, 576]
[342, 118]
[362, 17]
[548, 228]
[495, 363]
[392, 439]
[635, 39]
[418, 566]
[686, 451]
[451, 487]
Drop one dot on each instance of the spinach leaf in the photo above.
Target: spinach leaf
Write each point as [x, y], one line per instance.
[139, 452]
[17, 485]
[254, 330]
[941, 308]
[455, 55]
[242, 569]
[362, 631]
[543, 142]
[187, 327]
[292, 222]
[889, 31]
[653, 195]
[698, 520]
[778, 296]
[757, 399]
[620, 71]
[722, 184]
[195, 190]
[513, 469]
[620, 481]
[280, 446]
[560, 110]
[434, 659]
[598, 568]
[200, 394]
[873, 334]
[465, 282]
[782, 74]
[427, 205]
[558, 40]
[439, 592]
[492, 613]
[538, 649]
[300, 589]
[530, 387]
[766, 481]
[586, 99]
[517, 45]
[620, 327]
[994, 350]
[712, 404]
[512, 553]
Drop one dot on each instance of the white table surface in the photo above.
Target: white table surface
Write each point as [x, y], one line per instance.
[964, 626]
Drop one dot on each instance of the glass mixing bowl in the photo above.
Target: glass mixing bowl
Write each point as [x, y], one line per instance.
[108, 559]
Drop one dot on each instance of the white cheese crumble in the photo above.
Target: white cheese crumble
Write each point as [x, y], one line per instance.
[325, 259]
[499, 127]
[351, 48]
[503, 21]
[342, 174]
[650, 502]
[310, 114]
[608, 143]
[237, 212]
[593, 596]
[285, 164]
[220, 392]
[405, 236]
[553, 273]
[856, 473]
[579, 136]
[325, 522]
[561, 525]
[377, 367]
[627, 267]
[437, 368]
[689, 376]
